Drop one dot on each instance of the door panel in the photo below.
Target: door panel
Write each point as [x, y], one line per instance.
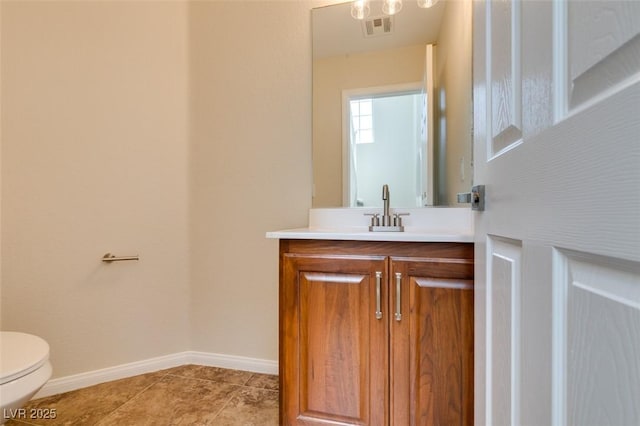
[335, 349]
[558, 245]
[604, 48]
[433, 335]
[506, 100]
[504, 280]
[596, 322]
[333, 308]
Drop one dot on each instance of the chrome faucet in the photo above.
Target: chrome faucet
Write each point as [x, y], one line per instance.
[387, 224]
[386, 217]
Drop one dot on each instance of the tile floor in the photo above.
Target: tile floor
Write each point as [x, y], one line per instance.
[185, 395]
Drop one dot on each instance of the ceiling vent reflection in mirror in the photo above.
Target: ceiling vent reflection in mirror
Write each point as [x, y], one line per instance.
[382, 25]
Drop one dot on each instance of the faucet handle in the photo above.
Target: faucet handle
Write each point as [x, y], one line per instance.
[375, 218]
[397, 218]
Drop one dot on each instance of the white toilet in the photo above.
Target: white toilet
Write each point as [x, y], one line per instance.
[24, 369]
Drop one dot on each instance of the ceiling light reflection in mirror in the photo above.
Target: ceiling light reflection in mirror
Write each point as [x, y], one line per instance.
[360, 9]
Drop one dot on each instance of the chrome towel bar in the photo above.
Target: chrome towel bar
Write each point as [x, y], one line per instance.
[113, 258]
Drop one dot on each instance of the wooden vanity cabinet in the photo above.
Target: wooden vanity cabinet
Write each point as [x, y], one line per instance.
[376, 333]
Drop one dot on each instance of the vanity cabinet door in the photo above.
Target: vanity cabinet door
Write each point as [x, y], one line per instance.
[333, 346]
[431, 353]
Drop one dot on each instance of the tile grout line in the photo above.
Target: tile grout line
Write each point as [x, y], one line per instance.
[235, 391]
[248, 379]
[205, 380]
[244, 384]
[132, 398]
[239, 387]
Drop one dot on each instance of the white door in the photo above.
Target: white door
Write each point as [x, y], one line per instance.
[557, 144]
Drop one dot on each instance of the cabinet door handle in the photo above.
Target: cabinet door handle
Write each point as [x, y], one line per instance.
[378, 295]
[398, 315]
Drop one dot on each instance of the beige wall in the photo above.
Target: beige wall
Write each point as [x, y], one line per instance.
[94, 129]
[330, 77]
[250, 69]
[1, 168]
[180, 131]
[454, 80]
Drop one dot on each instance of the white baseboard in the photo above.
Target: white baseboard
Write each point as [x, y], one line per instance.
[90, 378]
[254, 365]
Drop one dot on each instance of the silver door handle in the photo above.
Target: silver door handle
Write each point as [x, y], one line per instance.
[398, 314]
[475, 197]
[378, 295]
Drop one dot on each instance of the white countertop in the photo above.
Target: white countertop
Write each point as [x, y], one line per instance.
[365, 235]
[422, 225]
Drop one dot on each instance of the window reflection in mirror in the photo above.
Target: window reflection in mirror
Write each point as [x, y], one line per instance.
[386, 144]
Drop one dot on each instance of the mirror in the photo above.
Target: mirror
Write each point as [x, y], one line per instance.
[362, 71]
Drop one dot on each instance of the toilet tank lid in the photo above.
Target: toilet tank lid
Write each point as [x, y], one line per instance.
[20, 354]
